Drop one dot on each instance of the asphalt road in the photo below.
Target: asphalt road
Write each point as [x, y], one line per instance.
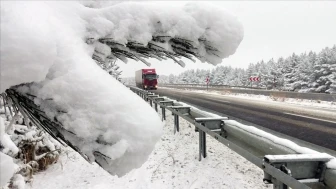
[316, 127]
[278, 94]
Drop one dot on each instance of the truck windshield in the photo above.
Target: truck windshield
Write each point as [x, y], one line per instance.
[150, 76]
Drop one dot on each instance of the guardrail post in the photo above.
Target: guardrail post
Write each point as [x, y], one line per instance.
[163, 113]
[149, 97]
[279, 185]
[163, 104]
[155, 105]
[199, 146]
[157, 100]
[307, 168]
[213, 124]
[176, 123]
[202, 144]
[182, 110]
[146, 96]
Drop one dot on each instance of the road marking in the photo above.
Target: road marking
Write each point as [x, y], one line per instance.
[226, 102]
[309, 117]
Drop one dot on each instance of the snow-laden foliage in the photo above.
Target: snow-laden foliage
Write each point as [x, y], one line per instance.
[124, 30]
[24, 149]
[48, 54]
[308, 72]
[139, 31]
[110, 66]
[129, 81]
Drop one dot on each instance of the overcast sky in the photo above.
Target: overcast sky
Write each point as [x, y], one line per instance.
[272, 29]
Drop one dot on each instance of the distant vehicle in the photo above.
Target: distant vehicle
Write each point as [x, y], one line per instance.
[146, 79]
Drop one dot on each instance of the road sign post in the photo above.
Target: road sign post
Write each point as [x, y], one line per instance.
[207, 82]
[254, 78]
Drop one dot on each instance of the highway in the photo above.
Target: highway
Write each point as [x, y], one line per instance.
[314, 126]
[232, 89]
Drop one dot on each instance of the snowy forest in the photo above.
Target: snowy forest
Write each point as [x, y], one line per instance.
[307, 72]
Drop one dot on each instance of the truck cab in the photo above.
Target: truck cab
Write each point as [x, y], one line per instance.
[146, 79]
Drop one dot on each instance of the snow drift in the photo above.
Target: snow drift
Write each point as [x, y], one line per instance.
[52, 44]
[7, 168]
[7, 165]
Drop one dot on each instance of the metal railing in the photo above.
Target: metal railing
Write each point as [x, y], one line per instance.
[283, 165]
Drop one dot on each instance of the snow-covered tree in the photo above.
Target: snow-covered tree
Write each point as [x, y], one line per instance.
[310, 72]
[325, 69]
[163, 79]
[129, 81]
[171, 79]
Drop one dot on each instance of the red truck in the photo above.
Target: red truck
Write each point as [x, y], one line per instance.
[146, 79]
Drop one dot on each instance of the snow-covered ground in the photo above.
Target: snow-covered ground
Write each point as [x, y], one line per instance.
[173, 164]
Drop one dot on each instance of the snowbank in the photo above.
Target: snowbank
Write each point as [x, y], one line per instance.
[45, 43]
[8, 145]
[7, 168]
[173, 164]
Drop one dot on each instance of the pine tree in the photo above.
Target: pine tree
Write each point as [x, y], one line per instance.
[310, 72]
[171, 79]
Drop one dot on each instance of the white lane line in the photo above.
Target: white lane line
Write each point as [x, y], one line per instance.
[310, 117]
[226, 102]
[218, 98]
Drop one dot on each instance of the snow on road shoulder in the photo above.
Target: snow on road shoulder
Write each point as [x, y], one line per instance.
[173, 164]
[264, 98]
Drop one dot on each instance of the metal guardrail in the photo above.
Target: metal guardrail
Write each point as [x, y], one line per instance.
[283, 165]
[257, 91]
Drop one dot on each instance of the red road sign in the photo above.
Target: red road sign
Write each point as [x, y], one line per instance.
[207, 80]
[254, 78]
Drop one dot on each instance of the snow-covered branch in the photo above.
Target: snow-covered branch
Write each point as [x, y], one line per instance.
[31, 147]
[50, 69]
